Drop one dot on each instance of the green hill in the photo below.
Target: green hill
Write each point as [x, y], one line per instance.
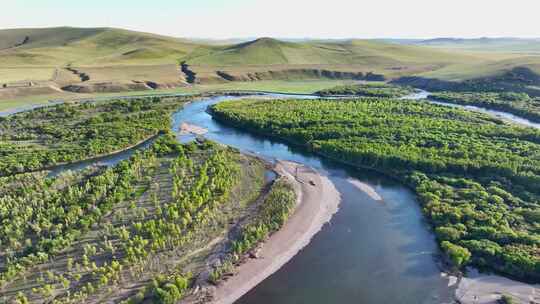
[495, 68]
[267, 58]
[115, 60]
[44, 37]
[267, 51]
[508, 45]
[92, 46]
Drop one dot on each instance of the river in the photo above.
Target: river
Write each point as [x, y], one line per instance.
[377, 249]
[373, 251]
[421, 94]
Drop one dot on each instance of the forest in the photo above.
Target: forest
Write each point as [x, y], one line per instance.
[477, 178]
[368, 90]
[132, 232]
[520, 104]
[38, 139]
[140, 231]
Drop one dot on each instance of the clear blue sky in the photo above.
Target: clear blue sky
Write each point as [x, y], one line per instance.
[285, 18]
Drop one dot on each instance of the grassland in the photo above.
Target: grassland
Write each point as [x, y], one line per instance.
[268, 58]
[461, 72]
[11, 75]
[268, 51]
[368, 90]
[93, 46]
[107, 60]
[119, 60]
[500, 45]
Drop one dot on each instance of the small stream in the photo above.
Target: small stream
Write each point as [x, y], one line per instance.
[373, 251]
[499, 114]
[109, 160]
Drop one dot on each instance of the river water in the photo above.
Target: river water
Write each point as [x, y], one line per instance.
[373, 251]
[499, 114]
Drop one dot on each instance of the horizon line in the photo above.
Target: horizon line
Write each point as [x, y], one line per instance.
[276, 37]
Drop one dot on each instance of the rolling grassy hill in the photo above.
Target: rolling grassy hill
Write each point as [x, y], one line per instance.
[268, 51]
[114, 60]
[96, 46]
[268, 58]
[507, 54]
[461, 72]
[505, 45]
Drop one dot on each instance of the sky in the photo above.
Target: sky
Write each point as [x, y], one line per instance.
[222, 19]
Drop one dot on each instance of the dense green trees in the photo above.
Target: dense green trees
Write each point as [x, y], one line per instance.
[519, 104]
[457, 254]
[79, 235]
[63, 133]
[40, 216]
[368, 90]
[478, 179]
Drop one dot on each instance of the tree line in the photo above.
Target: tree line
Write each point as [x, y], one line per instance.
[368, 90]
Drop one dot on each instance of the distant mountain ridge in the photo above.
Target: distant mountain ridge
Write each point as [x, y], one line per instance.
[502, 44]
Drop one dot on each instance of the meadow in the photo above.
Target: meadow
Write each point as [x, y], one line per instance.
[115, 61]
[284, 86]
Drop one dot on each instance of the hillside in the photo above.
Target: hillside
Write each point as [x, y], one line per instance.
[268, 58]
[508, 54]
[50, 61]
[496, 68]
[91, 46]
[268, 51]
[510, 45]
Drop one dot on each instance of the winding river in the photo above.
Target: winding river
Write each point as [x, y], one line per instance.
[373, 251]
[377, 249]
[421, 94]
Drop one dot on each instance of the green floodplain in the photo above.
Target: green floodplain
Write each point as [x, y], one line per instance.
[145, 229]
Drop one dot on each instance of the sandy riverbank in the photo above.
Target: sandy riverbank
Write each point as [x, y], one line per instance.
[316, 204]
[189, 129]
[487, 289]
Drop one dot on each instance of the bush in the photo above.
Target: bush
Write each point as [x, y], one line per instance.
[457, 254]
